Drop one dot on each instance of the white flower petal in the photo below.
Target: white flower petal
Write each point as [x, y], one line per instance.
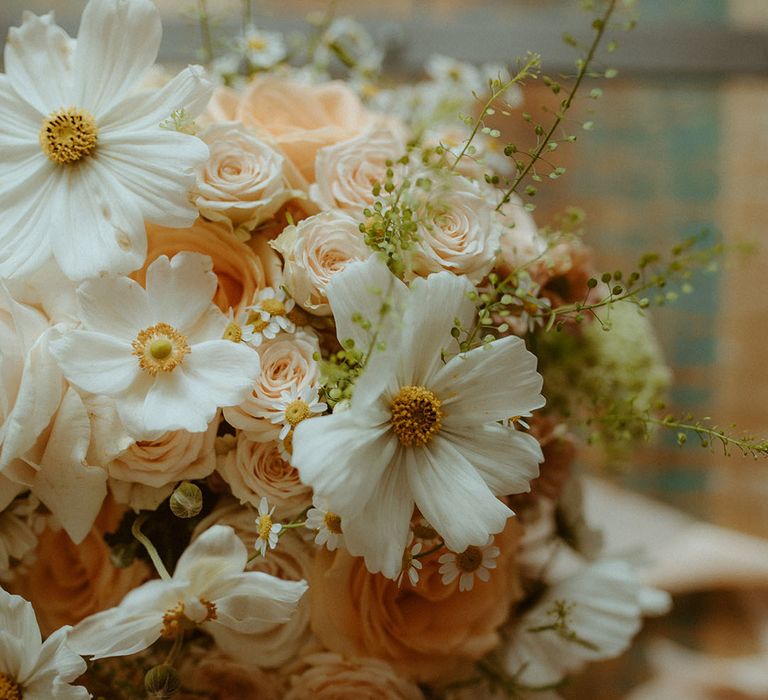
[452, 496]
[341, 460]
[114, 306]
[158, 167]
[101, 227]
[489, 383]
[38, 63]
[130, 407]
[70, 489]
[227, 371]
[380, 531]
[506, 459]
[364, 289]
[117, 43]
[56, 659]
[217, 553]
[180, 290]
[255, 601]
[189, 90]
[95, 362]
[19, 127]
[18, 623]
[174, 402]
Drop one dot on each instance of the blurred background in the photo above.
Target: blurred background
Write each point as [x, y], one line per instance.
[680, 145]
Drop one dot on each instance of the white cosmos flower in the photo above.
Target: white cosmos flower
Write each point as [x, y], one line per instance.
[85, 159]
[209, 588]
[30, 668]
[419, 431]
[158, 351]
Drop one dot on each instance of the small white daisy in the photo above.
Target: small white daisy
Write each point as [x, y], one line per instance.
[262, 49]
[411, 565]
[327, 525]
[295, 407]
[473, 561]
[268, 315]
[238, 329]
[268, 530]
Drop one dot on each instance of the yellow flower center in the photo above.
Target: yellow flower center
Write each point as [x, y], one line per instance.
[297, 411]
[470, 559]
[233, 332]
[332, 522]
[69, 135]
[256, 322]
[265, 527]
[9, 689]
[160, 348]
[176, 622]
[274, 307]
[256, 44]
[416, 415]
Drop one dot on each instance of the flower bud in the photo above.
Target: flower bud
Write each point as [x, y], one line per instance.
[162, 681]
[186, 500]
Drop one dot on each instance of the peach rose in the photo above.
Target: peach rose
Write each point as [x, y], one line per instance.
[426, 632]
[521, 243]
[291, 561]
[241, 272]
[346, 172]
[255, 470]
[300, 118]
[458, 230]
[244, 180]
[69, 582]
[215, 676]
[287, 361]
[332, 677]
[314, 251]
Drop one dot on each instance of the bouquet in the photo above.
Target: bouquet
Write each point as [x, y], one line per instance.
[293, 384]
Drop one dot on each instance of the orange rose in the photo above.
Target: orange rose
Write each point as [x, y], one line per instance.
[426, 632]
[300, 118]
[69, 582]
[331, 677]
[241, 272]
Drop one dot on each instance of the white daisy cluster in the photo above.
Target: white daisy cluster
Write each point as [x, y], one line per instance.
[249, 347]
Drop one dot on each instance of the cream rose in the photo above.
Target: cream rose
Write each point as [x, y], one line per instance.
[521, 244]
[300, 118]
[346, 172]
[255, 470]
[291, 561]
[215, 676]
[244, 180]
[69, 582]
[241, 270]
[458, 230]
[314, 251]
[287, 361]
[331, 677]
[427, 632]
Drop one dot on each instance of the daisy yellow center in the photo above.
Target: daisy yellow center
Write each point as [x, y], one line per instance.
[256, 322]
[332, 522]
[233, 332]
[69, 135]
[297, 411]
[416, 415]
[470, 559]
[265, 526]
[255, 44]
[274, 307]
[176, 622]
[160, 348]
[9, 689]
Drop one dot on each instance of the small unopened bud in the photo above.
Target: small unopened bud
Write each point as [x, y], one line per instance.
[162, 682]
[186, 500]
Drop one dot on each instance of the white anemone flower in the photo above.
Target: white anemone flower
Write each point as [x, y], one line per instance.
[86, 161]
[209, 588]
[30, 668]
[419, 430]
[158, 351]
[589, 616]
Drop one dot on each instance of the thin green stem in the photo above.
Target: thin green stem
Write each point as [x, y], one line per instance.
[747, 445]
[602, 24]
[153, 555]
[205, 31]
